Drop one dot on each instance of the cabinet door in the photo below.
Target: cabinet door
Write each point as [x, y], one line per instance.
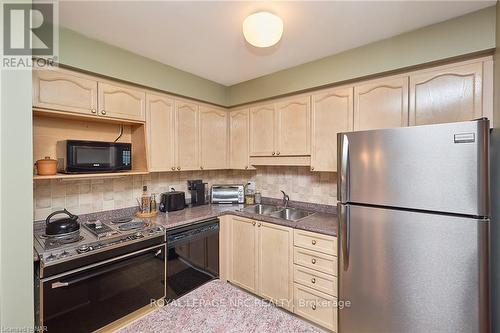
[381, 103]
[187, 136]
[160, 126]
[213, 138]
[332, 112]
[244, 264]
[262, 130]
[446, 95]
[239, 139]
[65, 91]
[117, 101]
[276, 264]
[294, 127]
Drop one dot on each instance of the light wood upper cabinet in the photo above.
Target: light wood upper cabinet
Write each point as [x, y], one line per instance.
[239, 139]
[447, 94]
[65, 91]
[332, 112]
[160, 118]
[276, 264]
[244, 255]
[213, 138]
[381, 103]
[262, 130]
[119, 101]
[293, 131]
[187, 136]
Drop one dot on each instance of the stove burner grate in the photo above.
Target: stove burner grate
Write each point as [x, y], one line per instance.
[132, 225]
[121, 220]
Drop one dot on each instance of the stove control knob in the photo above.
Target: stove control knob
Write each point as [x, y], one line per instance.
[50, 257]
[64, 254]
[138, 235]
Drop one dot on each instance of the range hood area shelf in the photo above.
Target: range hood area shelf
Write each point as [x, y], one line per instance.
[47, 130]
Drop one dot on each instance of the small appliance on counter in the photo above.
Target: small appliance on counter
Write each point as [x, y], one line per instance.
[172, 201]
[228, 194]
[197, 189]
[76, 156]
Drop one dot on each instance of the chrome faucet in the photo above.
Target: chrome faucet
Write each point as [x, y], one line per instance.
[286, 198]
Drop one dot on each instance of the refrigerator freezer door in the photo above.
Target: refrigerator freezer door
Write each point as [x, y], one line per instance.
[412, 272]
[441, 167]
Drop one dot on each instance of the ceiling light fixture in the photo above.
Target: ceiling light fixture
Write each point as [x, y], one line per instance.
[263, 29]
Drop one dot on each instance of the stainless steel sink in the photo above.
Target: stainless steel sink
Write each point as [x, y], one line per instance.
[291, 214]
[260, 209]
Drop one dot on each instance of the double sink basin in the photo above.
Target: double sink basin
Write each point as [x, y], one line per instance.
[289, 214]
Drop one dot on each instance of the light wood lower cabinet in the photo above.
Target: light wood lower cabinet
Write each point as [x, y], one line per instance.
[276, 262]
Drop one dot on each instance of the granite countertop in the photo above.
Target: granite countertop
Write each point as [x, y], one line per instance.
[324, 223]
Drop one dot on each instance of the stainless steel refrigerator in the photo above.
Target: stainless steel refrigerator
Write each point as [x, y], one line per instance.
[413, 227]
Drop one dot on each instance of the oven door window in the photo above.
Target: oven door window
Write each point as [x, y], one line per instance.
[192, 260]
[93, 157]
[88, 300]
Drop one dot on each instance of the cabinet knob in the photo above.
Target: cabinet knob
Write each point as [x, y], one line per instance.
[173, 168]
[246, 167]
[313, 261]
[201, 167]
[93, 111]
[277, 153]
[103, 112]
[258, 225]
[312, 168]
[253, 223]
[274, 153]
[179, 168]
[313, 307]
[313, 242]
[313, 280]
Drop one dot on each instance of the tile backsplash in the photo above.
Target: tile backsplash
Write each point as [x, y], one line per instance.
[92, 195]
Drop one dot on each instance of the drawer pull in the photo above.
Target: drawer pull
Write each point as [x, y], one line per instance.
[313, 260]
[313, 242]
[313, 280]
[313, 307]
[253, 223]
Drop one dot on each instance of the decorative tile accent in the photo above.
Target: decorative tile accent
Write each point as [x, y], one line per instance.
[86, 196]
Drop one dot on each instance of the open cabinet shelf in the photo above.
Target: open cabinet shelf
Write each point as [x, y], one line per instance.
[47, 130]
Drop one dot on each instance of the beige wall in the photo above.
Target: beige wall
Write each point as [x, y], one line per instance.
[85, 196]
[463, 35]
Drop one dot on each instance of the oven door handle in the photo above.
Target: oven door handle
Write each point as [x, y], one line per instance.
[105, 269]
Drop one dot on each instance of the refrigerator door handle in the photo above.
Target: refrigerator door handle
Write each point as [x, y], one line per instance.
[344, 234]
[343, 175]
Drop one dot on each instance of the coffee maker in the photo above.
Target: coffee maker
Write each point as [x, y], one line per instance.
[197, 189]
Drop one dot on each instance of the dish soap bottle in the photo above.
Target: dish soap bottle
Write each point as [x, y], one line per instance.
[145, 200]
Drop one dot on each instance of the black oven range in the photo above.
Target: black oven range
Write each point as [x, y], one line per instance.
[113, 268]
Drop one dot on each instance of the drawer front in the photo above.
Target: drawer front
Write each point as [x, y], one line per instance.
[316, 242]
[315, 306]
[315, 260]
[315, 280]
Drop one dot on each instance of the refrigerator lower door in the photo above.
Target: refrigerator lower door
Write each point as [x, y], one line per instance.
[407, 271]
[403, 167]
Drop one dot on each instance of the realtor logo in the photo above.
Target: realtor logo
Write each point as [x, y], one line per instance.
[29, 30]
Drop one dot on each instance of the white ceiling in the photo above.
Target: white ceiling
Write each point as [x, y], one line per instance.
[205, 38]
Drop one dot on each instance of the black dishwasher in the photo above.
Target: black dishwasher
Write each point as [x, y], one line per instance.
[192, 257]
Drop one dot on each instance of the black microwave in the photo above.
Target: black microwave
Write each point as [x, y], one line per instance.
[76, 156]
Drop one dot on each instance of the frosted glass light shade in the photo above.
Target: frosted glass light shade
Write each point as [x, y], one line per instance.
[263, 29]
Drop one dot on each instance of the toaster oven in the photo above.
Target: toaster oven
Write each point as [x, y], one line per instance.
[228, 194]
